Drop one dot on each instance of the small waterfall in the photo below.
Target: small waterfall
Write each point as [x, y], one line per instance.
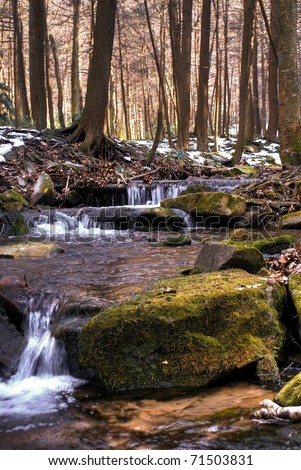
[42, 356]
[141, 194]
[41, 384]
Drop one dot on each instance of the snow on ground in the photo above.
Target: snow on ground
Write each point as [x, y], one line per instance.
[13, 139]
[267, 154]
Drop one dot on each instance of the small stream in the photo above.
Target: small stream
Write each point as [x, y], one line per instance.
[43, 407]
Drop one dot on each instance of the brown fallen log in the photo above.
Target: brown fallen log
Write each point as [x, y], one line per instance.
[272, 410]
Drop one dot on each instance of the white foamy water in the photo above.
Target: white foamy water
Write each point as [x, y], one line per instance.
[41, 383]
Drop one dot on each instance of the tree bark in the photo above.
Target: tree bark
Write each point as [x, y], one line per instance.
[273, 75]
[58, 81]
[246, 61]
[90, 130]
[203, 105]
[271, 411]
[21, 106]
[289, 93]
[180, 20]
[76, 91]
[37, 63]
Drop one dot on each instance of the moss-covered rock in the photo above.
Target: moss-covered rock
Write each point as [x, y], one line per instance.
[161, 217]
[179, 240]
[294, 286]
[290, 394]
[30, 250]
[267, 246]
[195, 188]
[273, 245]
[11, 200]
[208, 204]
[219, 256]
[185, 332]
[43, 191]
[268, 370]
[12, 224]
[291, 221]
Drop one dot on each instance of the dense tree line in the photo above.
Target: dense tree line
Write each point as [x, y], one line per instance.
[148, 69]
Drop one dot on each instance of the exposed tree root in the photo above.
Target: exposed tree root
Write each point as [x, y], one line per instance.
[273, 411]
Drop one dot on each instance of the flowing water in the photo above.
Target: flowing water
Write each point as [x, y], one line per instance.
[43, 407]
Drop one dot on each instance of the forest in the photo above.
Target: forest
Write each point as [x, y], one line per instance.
[150, 215]
[152, 70]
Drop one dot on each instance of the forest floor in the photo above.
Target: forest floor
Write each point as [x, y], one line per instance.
[26, 153]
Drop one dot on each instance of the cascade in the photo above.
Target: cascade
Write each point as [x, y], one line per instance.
[42, 355]
[41, 383]
[141, 194]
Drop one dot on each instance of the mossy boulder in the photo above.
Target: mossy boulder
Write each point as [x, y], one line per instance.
[219, 256]
[179, 240]
[273, 245]
[30, 250]
[185, 332]
[43, 191]
[161, 217]
[290, 394]
[294, 287]
[208, 204]
[267, 246]
[195, 188]
[12, 224]
[291, 221]
[11, 200]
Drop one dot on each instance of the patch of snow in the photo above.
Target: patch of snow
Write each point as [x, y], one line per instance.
[17, 142]
[5, 148]
[2, 159]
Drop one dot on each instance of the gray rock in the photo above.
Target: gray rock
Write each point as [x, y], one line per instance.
[218, 256]
[43, 191]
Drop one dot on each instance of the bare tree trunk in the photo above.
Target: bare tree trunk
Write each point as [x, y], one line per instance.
[123, 94]
[273, 75]
[289, 93]
[76, 91]
[255, 90]
[226, 97]
[21, 105]
[90, 129]
[203, 105]
[160, 75]
[180, 20]
[246, 61]
[37, 63]
[58, 81]
[47, 73]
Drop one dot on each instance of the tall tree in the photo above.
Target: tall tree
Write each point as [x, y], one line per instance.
[180, 20]
[203, 105]
[246, 61]
[273, 74]
[76, 90]
[36, 63]
[289, 92]
[90, 129]
[20, 91]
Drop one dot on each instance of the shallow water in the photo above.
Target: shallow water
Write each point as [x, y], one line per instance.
[60, 413]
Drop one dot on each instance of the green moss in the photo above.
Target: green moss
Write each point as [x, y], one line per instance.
[205, 204]
[291, 220]
[194, 188]
[186, 331]
[269, 246]
[30, 250]
[11, 200]
[290, 394]
[274, 245]
[179, 240]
